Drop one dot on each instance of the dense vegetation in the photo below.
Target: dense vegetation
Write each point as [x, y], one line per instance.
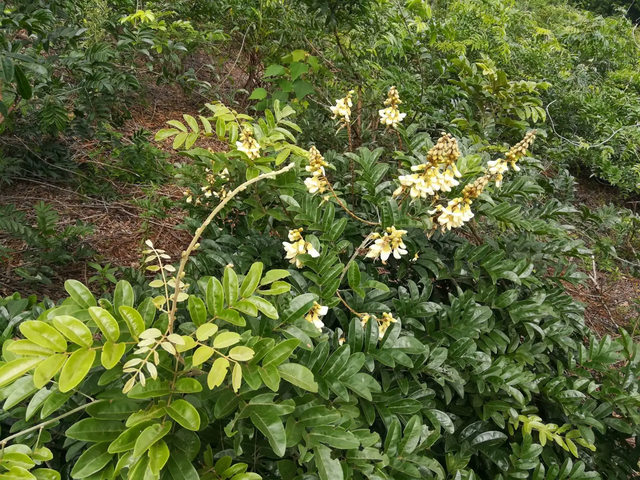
[384, 232]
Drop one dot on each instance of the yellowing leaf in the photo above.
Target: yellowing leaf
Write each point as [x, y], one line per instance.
[76, 368]
[217, 373]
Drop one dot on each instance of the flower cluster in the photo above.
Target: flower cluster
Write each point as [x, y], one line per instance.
[317, 182]
[298, 247]
[438, 174]
[315, 313]
[342, 109]
[499, 167]
[208, 189]
[391, 115]
[390, 243]
[383, 324]
[248, 145]
[458, 211]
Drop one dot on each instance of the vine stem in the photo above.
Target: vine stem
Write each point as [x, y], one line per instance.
[44, 424]
[205, 224]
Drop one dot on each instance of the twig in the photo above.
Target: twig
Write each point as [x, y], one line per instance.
[201, 229]
[576, 144]
[43, 424]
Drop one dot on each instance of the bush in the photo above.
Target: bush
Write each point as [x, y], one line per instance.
[330, 328]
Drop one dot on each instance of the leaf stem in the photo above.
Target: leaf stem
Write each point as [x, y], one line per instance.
[48, 422]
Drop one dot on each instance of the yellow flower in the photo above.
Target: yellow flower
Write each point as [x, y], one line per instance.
[248, 145]
[385, 323]
[315, 313]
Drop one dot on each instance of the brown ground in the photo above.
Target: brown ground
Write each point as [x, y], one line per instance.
[119, 230]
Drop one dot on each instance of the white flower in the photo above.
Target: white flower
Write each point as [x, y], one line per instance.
[315, 313]
[497, 167]
[455, 214]
[391, 243]
[298, 247]
[316, 184]
[342, 108]
[391, 116]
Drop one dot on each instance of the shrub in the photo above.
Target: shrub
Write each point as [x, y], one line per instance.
[325, 329]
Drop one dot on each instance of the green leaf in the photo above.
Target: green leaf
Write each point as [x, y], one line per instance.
[271, 427]
[241, 354]
[133, 319]
[226, 339]
[8, 69]
[94, 430]
[296, 69]
[336, 437]
[280, 352]
[232, 316]
[75, 369]
[22, 83]
[80, 294]
[93, 460]
[111, 354]
[45, 474]
[270, 376]
[181, 468]
[127, 439]
[217, 373]
[48, 369]
[353, 276]
[230, 286]
[274, 71]
[236, 377]
[214, 297]
[302, 88]
[44, 335]
[149, 436]
[204, 332]
[113, 410]
[250, 282]
[158, 456]
[179, 125]
[197, 310]
[185, 414]
[123, 295]
[258, 94]
[17, 473]
[273, 275]
[27, 348]
[75, 330]
[106, 323]
[265, 306]
[298, 375]
[202, 354]
[328, 468]
[298, 307]
[221, 128]
[192, 122]
[16, 368]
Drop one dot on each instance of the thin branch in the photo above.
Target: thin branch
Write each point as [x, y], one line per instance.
[595, 145]
[48, 422]
[201, 229]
